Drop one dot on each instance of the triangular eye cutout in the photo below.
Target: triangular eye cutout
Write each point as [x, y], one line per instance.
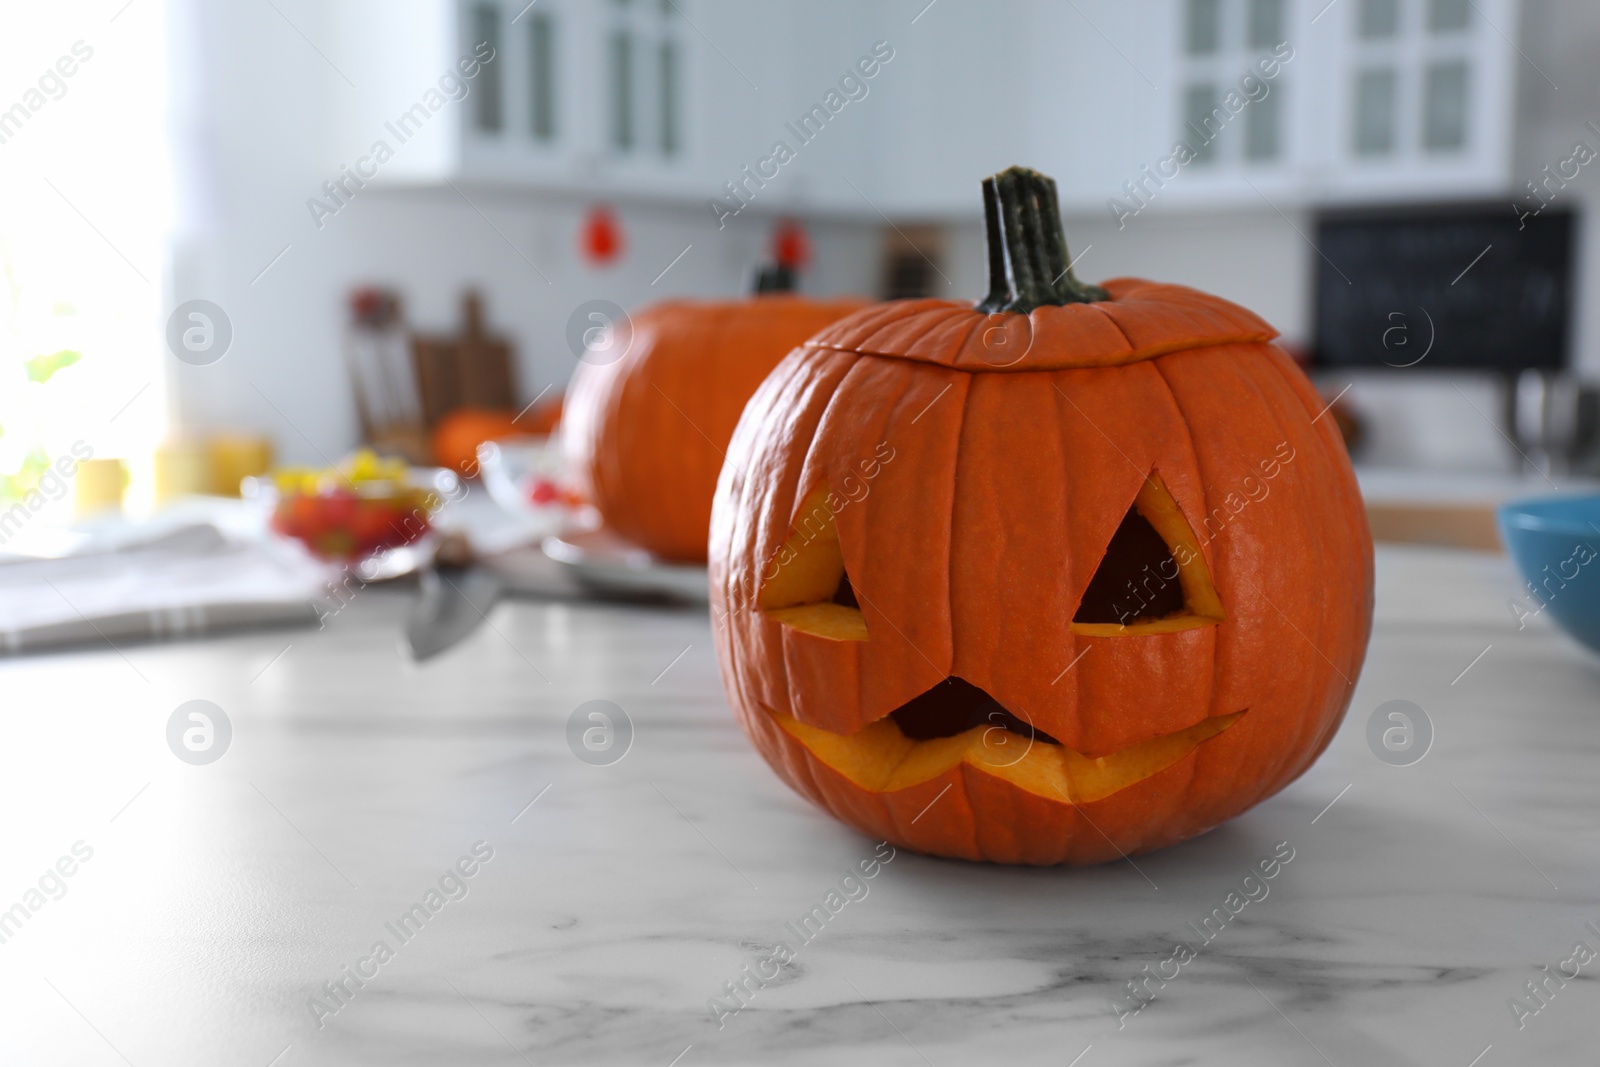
[1137, 579]
[1153, 578]
[804, 585]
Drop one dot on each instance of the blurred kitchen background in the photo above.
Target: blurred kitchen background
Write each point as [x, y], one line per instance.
[1401, 186]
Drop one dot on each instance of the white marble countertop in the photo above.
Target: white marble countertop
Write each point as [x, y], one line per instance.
[215, 901]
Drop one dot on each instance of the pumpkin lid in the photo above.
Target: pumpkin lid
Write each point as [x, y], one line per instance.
[1038, 315]
[1142, 320]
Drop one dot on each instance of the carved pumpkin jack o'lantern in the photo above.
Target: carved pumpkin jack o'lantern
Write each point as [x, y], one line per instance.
[1071, 574]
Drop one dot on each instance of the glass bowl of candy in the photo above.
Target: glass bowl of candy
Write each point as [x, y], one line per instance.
[371, 513]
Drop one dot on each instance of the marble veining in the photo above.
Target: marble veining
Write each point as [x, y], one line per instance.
[221, 899]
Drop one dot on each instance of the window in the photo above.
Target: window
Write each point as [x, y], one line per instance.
[644, 75]
[83, 357]
[1379, 18]
[1447, 15]
[1444, 109]
[1204, 27]
[489, 115]
[542, 77]
[1374, 133]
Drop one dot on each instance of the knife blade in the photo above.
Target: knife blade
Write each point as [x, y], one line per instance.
[452, 603]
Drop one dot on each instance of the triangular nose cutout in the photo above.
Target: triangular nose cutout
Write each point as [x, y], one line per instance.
[955, 706]
[1153, 577]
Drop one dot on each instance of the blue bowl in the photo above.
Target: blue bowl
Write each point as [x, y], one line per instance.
[1556, 544]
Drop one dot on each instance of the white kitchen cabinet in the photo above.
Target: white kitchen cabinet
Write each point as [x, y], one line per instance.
[674, 100]
[1412, 98]
[579, 95]
[1370, 100]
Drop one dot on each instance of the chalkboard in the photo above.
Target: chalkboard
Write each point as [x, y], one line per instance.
[1444, 287]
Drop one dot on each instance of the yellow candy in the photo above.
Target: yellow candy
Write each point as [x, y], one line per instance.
[362, 467]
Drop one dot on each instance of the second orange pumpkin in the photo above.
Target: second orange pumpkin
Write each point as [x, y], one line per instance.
[645, 435]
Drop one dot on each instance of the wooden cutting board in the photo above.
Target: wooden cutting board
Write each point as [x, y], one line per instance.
[473, 369]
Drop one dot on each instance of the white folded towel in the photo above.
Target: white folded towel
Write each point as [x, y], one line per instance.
[190, 580]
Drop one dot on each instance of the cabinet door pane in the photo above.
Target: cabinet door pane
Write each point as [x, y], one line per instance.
[669, 98]
[1203, 119]
[1446, 15]
[1266, 23]
[542, 85]
[622, 90]
[489, 114]
[1444, 123]
[1262, 122]
[1373, 134]
[1378, 18]
[1204, 27]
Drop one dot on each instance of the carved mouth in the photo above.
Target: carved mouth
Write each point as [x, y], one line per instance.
[956, 722]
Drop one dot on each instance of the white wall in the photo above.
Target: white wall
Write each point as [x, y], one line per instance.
[1561, 38]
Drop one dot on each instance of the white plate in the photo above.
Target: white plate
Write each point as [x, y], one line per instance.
[509, 468]
[606, 563]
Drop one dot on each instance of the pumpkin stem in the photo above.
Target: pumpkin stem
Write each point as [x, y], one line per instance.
[774, 278]
[1028, 262]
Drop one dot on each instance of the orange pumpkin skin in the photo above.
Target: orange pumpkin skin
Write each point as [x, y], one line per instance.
[456, 439]
[645, 435]
[1018, 443]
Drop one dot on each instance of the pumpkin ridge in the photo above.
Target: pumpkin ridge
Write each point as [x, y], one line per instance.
[1112, 319]
[1286, 770]
[874, 315]
[955, 502]
[1278, 365]
[935, 324]
[810, 784]
[809, 462]
[900, 415]
[1214, 556]
[977, 324]
[890, 317]
[1205, 500]
[1308, 726]
[1359, 530]
[1294, 762]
